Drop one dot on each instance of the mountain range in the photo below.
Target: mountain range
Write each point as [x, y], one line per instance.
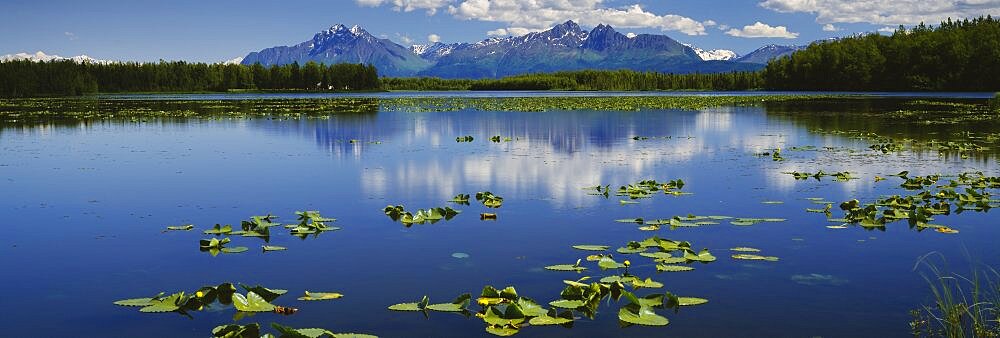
[40, 56]
[564, 47]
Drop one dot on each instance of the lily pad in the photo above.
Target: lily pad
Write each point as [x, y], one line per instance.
[458, 305]
[744, 249]
[166, 304]
[185, 227]
[219, 229]
[267, 248]
[566, 267]
[702, 256]
[252, 302]
[690, 301]
[673, 268]
[636, 313]
[567, 304]
[311, 296]
[418, 306]
[552, 318]
[588, 247]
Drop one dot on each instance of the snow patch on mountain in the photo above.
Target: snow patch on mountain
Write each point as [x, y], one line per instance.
[715, 54]
[233, 61]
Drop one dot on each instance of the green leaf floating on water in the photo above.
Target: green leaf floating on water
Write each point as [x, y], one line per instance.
[457, 305]
[552, 318]
[502, 330]
[672, 268]
[567, 267]
[702, 256]
[609, 263]
[265, 293]
[656, 255]
[237, 331]
[167, 304]
[690, 301]
[219, 229]
[632, 247]
[267, 248]
[185, 227]
[138, 301]
[636, 313]
[289, 332]
[529, 307]
[418, 306]
[252, 302]
[587, 247]
[567, 304]
[310, 296]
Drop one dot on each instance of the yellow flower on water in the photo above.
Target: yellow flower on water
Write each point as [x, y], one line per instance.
[627, 263]
[199, 294]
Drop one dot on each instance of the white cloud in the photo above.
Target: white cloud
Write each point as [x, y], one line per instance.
[630, 35]
[431, 6]
[762, 30]
[830, 28]
[434, 38]
[515, 31]
[70, 36]
[886, 12]
[404, 38]
[887, 29]
[533, 15]
[723, 27]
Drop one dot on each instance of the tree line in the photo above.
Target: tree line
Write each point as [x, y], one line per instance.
[955, 56]
[66, 78]
[617, 80]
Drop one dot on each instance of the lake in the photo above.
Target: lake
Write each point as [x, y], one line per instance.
[87, 204]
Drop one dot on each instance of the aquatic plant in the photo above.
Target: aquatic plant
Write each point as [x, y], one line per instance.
[964, 305]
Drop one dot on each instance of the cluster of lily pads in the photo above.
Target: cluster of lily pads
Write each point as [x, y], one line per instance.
[488, 199]
[461, 139]
[257, 299]
[842, 176]
[692, 221]
[505, 313]
[641, 189]
[431, 215]
[498, 139]
[310, 223]
[967, 191]
[253, 330]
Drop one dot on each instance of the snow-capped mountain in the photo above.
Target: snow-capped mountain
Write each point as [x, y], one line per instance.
[563, 47]
[40, 56]
[715, 54]
[341, 44]
[433, 51]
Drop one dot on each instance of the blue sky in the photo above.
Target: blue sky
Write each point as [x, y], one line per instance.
[211, 31]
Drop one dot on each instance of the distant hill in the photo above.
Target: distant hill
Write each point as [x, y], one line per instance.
[564, 47]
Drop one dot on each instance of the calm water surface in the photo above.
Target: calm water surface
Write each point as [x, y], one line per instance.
[85, 206]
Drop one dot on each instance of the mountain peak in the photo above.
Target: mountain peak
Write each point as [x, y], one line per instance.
[357, 30]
